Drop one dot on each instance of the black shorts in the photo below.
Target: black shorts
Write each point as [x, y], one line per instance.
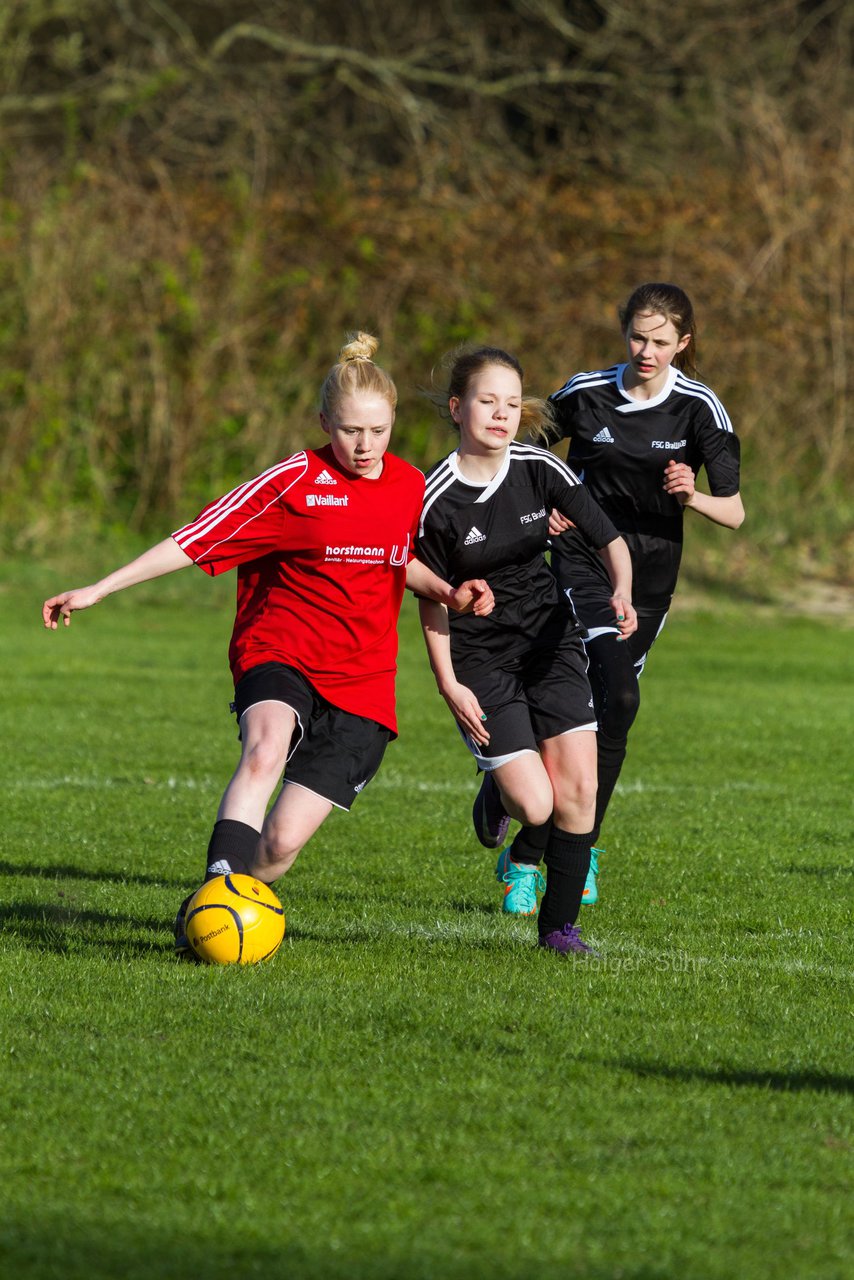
[540, 696]
[597, 619]
[592, 608]
[333, 753]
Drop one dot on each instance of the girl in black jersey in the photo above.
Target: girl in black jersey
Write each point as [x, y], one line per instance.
[516, 681]
[639, 433]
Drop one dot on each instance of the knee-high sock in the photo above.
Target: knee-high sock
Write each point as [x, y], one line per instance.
[614, 670]
[567, 861]
[610, 754]
[529, 843]
[231, 849]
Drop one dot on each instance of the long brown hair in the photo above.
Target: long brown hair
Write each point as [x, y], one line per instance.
[673, 303]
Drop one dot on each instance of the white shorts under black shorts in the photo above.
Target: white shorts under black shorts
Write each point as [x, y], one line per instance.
[333, 753]
[526, 701]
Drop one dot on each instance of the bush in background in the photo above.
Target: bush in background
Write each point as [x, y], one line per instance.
[195, 207]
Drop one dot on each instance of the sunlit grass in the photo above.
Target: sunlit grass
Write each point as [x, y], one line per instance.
[410, 1088]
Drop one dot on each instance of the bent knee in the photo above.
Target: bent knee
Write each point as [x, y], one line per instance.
[576, 791]
[533, 807]
[265, 759]
[534, 814]
[276, 853]
[618, 713]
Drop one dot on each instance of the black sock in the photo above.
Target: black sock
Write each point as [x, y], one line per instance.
[529, 843]
[231, 849]
[610, 754]
[567, 858]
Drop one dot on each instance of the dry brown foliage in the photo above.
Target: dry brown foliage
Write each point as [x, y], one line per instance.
[198, 201]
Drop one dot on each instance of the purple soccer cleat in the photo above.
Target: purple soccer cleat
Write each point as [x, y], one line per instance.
[488, 814]
[567, 941]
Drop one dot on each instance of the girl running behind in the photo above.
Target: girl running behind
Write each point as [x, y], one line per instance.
[639, 434]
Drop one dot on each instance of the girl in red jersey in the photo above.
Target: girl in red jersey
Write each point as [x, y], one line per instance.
[322, 544]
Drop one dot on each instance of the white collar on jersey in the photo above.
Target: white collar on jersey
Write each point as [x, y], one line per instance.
[634, 406]
[489, 489]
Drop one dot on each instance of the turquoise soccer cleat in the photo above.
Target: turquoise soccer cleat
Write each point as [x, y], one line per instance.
[522, 881]
[591, 891]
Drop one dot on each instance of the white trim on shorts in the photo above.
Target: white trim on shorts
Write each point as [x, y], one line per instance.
[641, 662]
[286, 782]
[593, 727]
[596, 632]
[487, 763]
[279, 702]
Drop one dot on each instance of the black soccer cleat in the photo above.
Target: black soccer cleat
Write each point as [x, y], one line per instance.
[488, 814]
[183, 950]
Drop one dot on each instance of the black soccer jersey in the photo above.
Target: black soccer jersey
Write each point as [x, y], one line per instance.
[620, 447]
[499, 531]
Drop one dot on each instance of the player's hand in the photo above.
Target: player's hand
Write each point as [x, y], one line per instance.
[63, 605]
[624, 612]
[679, 481]
[466, 710]
[473, 596]
[558, 523]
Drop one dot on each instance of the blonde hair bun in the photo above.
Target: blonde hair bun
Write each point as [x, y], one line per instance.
[356, 374]
[359, 346]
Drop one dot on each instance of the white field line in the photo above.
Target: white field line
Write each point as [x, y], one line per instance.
[623, 957]
[390, 779]
[638, 786]
[384, 782]
[634, 956]
[82, 783]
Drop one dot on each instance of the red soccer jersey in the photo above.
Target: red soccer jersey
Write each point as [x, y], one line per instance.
[321, 560]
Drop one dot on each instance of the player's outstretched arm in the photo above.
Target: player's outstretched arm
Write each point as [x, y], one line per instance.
[617, 559]
[463, 704]
[473, 596]
[161, 559]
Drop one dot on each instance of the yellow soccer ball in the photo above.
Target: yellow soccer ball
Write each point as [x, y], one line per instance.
[234, 919]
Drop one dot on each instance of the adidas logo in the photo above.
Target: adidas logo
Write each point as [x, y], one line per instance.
[325, 478]
[474, 535]
[603, 437]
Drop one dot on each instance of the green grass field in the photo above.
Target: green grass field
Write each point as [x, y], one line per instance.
[410, 1088]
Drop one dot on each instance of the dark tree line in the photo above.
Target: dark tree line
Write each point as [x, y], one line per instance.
[198, 197]
[273, 87]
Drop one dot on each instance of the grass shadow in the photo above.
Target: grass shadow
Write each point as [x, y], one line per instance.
[68, 871]
[64, 930]
[468, 907]
[98, 1251]
[793, 869]
[777, 1081]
